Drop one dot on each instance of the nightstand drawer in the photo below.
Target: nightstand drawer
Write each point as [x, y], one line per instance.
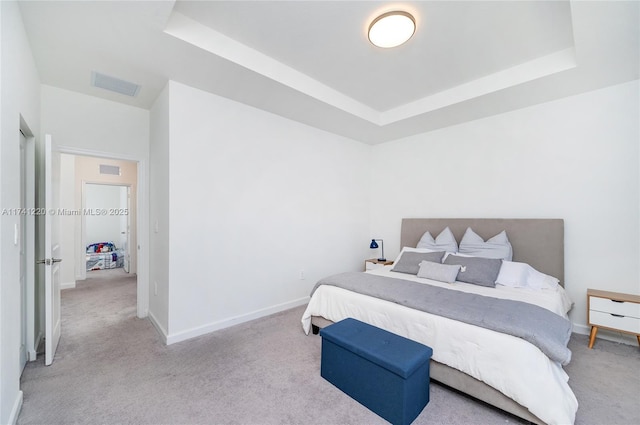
[606, 305]
[607, 320]
[613, 310]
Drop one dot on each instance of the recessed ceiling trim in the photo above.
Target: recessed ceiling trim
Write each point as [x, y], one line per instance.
[541, 67]
[202, 36]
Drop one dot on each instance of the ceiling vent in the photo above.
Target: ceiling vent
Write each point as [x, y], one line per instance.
[114, 84]
[112, 170]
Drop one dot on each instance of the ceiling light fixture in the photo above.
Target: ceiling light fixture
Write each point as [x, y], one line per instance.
[392, 29]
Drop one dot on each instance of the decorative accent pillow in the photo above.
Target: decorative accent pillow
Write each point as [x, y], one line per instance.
[476, 270]
[522, 275]
[495, 247]
[409, 262]
[445, 241]
[440, 272]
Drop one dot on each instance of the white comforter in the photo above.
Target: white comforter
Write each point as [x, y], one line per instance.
[509, 364]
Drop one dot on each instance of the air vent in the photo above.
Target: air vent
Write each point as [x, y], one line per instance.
[114, 84]
[112, 170]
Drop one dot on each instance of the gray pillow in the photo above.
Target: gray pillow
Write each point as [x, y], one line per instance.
[440, 272]
[476, 270]
[409, 262]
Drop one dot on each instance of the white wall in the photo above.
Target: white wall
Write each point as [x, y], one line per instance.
[88, 123]
[19, 97]
[159, 213]
[576, 158]
[255, 200]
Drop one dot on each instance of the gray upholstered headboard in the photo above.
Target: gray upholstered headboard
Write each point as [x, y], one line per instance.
[538, 242]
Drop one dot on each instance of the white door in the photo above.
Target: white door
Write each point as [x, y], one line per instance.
[52, 258]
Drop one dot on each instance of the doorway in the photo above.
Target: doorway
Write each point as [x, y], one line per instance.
[98, 205]
[101, 198]
[107, 226]
[70, 210]
[139, 264]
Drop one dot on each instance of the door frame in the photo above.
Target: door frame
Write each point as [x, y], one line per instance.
[126, 221]
[83, 225]
[32, 340]
[142, 229]
[21, 237]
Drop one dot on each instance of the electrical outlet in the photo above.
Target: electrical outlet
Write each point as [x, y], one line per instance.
[155, 287]
[301, 274]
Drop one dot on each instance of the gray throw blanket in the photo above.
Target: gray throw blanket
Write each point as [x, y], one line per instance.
[541, 327]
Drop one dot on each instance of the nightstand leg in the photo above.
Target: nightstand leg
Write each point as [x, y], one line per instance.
[592, 336]
[638, 336]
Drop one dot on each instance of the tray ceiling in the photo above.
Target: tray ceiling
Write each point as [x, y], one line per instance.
[310, 61]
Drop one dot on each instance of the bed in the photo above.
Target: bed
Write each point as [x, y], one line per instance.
[503, 370]
[103, 255]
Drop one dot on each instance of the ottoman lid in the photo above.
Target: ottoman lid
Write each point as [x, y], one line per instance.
[395, 353]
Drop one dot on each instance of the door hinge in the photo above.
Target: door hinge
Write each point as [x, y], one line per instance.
[49, 261]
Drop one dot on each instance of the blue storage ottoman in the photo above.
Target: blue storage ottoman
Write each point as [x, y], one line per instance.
[387, 373]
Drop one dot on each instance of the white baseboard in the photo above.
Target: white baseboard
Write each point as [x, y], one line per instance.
[68, 285]
[156, 324]
[618, 337]
[32, 355]
[34, 352]
[15, 410]
[225, 323]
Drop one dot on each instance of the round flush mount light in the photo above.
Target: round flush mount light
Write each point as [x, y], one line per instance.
[392, 29]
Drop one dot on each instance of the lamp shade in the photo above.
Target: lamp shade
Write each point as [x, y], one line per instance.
[374, 245]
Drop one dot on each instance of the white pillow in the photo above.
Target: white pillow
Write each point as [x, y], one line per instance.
[539, 280]
[513, 274]
[445, 241]
[496, 247]
[522, 275]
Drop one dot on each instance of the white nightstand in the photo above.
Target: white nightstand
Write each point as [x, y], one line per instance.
[374, 263]
[614, 311]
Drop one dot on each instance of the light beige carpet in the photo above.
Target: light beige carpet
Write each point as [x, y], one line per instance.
[111, 368]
